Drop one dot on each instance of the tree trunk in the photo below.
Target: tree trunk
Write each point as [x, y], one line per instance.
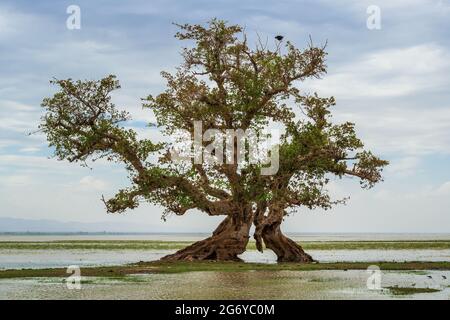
[268, 230]
[286, 249]
[228, 241]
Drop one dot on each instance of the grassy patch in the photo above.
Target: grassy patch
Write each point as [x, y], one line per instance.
[417, 272]
[179, 267]
[400, 291]
[322, 280]
[122, 279]
[174, 245]
[94, 245]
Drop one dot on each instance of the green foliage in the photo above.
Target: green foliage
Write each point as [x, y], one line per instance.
[227, 85]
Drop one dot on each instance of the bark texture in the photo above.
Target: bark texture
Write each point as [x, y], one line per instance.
[286, 249]
[268, 230]
[225, 244]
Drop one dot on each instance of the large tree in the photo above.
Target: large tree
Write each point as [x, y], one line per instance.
[225, 84]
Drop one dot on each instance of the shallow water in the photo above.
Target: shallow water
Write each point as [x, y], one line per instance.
[357, 255]
[37, 259]
[326, 284]
[199, 236]
[18, 259]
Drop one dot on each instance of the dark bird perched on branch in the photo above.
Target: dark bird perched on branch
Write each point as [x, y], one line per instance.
[279, 38]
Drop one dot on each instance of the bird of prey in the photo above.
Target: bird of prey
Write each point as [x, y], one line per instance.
[279, 38]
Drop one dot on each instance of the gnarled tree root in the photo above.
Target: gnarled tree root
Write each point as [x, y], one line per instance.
[287, 250]
[228, 241]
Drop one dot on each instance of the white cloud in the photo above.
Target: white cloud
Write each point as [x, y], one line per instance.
[89, 182]
[408, 131]
[7, 142]
[29, 149]
[18, 117]
[13, 22]
[15, 106]
[404, 166]
[444, 189]
[386, 208]
[16, 180]
[388, 73]
[29, 162]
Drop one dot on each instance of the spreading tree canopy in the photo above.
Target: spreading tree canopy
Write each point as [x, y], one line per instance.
[225, 84]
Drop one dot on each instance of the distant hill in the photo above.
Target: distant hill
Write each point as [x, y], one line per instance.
[54, 226]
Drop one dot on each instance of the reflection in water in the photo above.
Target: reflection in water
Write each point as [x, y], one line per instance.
[325, 284]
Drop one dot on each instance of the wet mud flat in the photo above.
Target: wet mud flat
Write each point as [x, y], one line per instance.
[319, 284]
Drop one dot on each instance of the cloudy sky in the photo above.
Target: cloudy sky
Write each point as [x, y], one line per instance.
[393, 83]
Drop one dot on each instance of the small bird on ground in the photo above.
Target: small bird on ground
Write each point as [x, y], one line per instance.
[430, 277]
[279, 38]
[444, 277]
